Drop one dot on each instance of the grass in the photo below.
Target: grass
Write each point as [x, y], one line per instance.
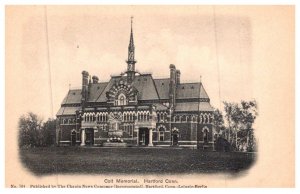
[78, 160]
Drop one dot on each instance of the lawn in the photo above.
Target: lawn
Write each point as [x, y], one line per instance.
[78, 160]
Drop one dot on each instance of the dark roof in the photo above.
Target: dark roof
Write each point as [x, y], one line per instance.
[146, 87]
[205, 106]
[102, 95]
[193, 106]
[203, 93]
[162, 87]
[143, 83]
[191, 90]
[67, 110]
[160, 106]
[73, 96]
[96, 90]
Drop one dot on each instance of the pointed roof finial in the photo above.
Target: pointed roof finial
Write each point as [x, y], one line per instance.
[131, 44]
[200, 78]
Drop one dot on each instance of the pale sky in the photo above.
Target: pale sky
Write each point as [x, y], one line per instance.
[96, 38]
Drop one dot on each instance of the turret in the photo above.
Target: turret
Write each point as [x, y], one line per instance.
[177, 77]
[172, 87]
[95, 79]
[85, 87]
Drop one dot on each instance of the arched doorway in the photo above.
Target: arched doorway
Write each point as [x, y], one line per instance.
[73, 138]
[175, 139]
[205, 135]
[175, 136]
[143, 136]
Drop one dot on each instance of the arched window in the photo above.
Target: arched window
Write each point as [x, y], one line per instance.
[205, 131]
[105, 117]
[210, 118]
[121, 100]
[205, 136]
[194, 119]
[161, 134]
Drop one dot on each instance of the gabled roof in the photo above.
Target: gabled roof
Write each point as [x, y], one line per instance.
[188, 90]
[203, 93]
[191, 90]
[146, 87]
[143, 83]
[73, 97]
[67, 110]
[193, 106]
[102, 96]
[96, 90]
[162, 87]
[205, 106]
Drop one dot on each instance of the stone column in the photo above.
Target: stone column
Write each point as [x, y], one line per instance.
[150, 137]
[137, 135]
[83, 137]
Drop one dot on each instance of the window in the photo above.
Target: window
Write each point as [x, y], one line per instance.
[205, 132]
[194, 119]
[121, 101]
[161, 135]
[131, 130]
[205, 136]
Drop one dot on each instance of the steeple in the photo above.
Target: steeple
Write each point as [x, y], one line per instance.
[131, 43]
[131, 62]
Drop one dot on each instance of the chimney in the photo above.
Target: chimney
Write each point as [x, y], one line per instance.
[172, 88]
[95, 79]
[85, 83]
[178, 77]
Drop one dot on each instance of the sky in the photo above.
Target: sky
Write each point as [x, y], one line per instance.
[54, 44]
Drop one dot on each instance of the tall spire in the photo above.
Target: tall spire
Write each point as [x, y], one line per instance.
[131, 43]
[131, 61]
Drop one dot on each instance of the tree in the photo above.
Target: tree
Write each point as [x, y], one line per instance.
[240, 119]
[218, 121]
[249, 114]
[34, 133]
[29, 128]
[231, 110]
[48, 132]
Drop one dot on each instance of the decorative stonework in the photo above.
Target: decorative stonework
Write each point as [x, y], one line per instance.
[122, 87]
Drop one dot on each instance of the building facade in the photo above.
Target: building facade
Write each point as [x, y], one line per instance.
[135, 109]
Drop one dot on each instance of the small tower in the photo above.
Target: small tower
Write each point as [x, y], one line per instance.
[130, 62]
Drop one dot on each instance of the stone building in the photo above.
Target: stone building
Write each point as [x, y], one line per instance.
[135, 109]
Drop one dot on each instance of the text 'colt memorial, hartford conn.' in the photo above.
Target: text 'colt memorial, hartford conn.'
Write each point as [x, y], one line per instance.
[134, 109]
